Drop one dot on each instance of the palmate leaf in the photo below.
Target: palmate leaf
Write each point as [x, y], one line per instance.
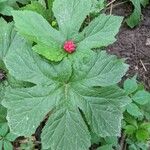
[97, 6]
[6, 37]
[6, 137]
[99, 104]
[2, 109]
[37, 7]
[70, 15]
[135, 17]
[67, 131]
[1, 91]
[6, 6]
[40, 31]
[7, 145]
[3, 114]
[60, 89]
[5, 9]
[100, 32]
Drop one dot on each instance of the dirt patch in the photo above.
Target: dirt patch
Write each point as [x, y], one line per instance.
[134, 45]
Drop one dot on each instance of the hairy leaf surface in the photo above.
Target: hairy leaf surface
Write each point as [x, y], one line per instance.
[40, 31]
[100, 32]
[67, 131]
[6, 37]
[60, 89]
[70, 16]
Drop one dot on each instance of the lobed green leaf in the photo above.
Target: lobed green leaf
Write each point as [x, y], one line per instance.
[64, 87]
[70, 15]
[101, 32]
[135, 17]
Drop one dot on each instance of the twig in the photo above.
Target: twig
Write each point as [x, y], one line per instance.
[143, 65]
[110, 3]
[125, 146]
[111, 8]
[136, 57]
[115, 5]
[122, 142]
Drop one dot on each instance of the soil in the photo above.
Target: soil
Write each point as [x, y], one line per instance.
[134, 45]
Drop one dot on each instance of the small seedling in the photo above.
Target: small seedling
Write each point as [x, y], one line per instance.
[28, 144]
[6, 138]
[136, 124]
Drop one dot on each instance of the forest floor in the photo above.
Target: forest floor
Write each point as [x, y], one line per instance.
[134, 45]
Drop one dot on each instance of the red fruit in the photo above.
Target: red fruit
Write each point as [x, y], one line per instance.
[69, 46]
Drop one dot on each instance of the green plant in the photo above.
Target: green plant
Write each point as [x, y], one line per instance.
[40, 8]
[77, 92]
[136, 125]
[135, 17]
[140, 97]
[6, 137]
[6, 6]
[7, 35]
[107, 143]
[98, 5]
[6, 31]
[49, 41]
[28, 144]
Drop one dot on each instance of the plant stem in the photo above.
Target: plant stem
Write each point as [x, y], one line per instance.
[110, 3]
[115, 5]
[122, 142]
[111, 8]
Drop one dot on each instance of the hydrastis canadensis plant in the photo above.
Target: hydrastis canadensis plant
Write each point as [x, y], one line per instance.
[73, 86]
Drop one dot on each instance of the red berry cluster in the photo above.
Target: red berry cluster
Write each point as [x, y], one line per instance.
[69, 46]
